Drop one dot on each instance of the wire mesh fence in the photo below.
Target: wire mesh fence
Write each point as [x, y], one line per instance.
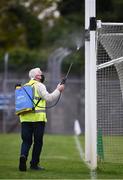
[60, 118]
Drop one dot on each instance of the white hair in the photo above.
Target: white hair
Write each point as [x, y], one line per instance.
[34, 72]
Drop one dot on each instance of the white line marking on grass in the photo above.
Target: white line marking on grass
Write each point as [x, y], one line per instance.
[81, 153]
[79, 148]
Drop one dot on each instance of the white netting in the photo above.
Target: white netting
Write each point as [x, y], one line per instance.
[110, 90]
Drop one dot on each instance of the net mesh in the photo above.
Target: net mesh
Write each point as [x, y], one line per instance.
[110, 91]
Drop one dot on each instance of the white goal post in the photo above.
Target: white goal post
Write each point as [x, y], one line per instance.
[90, 83]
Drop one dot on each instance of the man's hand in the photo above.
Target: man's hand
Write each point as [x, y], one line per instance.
[60, 87]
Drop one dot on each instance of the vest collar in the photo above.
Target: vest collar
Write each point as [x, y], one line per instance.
[32, 81]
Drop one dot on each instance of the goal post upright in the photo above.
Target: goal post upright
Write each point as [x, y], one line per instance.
[87, 83]
[90, 85]
[93, 95]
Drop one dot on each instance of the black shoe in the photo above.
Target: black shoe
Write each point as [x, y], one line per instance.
[22, 164]
[38, 168]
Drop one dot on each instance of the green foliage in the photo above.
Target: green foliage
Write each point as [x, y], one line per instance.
[74, 6]
[118, 10]
[10, 33]
[31, 24]
[104, 6]
[109, 11]
[22, 60]
[78, 63]
[27, 59]
[58, 32]
[20, 27]
[73, 12]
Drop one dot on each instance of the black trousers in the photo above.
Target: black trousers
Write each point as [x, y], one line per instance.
[32, 132]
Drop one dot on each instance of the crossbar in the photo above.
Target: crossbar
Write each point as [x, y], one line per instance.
[109, 63]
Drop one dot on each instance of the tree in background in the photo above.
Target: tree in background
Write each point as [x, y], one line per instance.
[19, 28]
[44, 25]
[33, 29]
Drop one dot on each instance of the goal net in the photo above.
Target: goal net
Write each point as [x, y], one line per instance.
[109, 45]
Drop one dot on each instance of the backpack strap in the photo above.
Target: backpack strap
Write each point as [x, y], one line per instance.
[38, 102]
[38, 99]
[35, 105]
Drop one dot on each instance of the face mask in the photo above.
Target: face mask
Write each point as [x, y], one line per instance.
[42, 78]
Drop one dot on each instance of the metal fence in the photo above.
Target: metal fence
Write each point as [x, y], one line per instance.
[60, 118]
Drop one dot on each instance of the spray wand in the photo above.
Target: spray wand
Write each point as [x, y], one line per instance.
[65, 78]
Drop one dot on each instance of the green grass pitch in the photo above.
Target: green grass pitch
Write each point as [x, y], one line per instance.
[60, 157]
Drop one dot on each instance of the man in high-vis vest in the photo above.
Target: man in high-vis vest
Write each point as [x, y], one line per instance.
[33, 123]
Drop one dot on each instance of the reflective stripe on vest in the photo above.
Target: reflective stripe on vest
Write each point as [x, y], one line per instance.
[39, 114]
[38, 111]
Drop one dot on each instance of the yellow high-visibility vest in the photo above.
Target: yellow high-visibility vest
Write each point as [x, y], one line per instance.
[39, 113]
